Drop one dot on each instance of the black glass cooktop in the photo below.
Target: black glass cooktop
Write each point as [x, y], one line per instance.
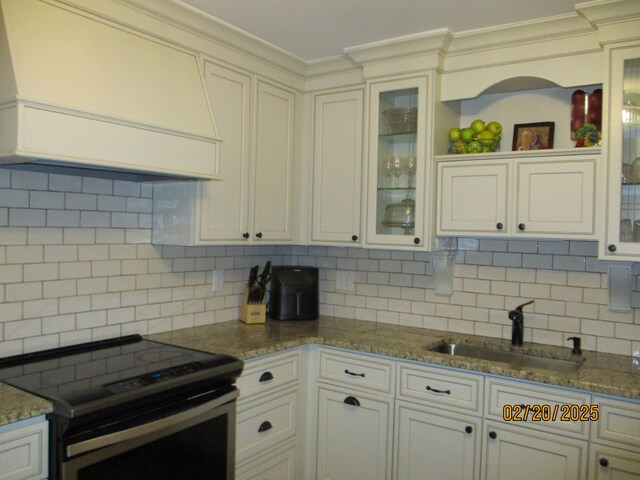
[104, 373]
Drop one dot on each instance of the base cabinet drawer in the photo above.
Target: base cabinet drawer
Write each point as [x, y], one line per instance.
[277, 466]
[268, 374]
[607, 463]
[619, 423]
[265, 424]
[359, 371]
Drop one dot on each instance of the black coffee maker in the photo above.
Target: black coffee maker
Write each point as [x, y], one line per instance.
[294, 293]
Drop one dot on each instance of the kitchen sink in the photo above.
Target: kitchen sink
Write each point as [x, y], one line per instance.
[512, 358]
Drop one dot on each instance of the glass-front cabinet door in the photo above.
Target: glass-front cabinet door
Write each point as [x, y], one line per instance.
[623, 210]
[397, 156]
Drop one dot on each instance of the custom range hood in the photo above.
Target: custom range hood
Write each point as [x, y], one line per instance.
[78, 90]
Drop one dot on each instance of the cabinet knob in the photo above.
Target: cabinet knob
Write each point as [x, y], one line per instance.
[245, 235]
[522, 227]
[493, 435]
[265, 427]
[259, 235]
[499, 226]
[611, 247]
[266, 377]
[353, 401]
[604, 462]
[354, 238]
[468, 429]
[416, 241]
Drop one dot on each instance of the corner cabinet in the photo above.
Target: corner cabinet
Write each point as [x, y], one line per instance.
[511, 195]
[337, 168]
[399, 176]
[621, 239]
[254, 200]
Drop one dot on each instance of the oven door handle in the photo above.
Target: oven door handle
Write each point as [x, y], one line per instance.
[157, 429]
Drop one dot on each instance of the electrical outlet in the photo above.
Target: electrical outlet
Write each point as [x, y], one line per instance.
[217, 283]
[345, 282]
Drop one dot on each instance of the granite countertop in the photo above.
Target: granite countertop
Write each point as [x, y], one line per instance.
[600, 373]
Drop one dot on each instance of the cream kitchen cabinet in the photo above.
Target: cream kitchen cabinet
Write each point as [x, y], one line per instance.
[615, 440]
[355, 416]
[621, 132]
[534, 196]
[254, 201]
[399, 177]
[524, 454]
[269, 416]
[24, 450]
[337, 168]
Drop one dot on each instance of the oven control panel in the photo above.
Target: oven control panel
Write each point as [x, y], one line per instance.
[154, 377]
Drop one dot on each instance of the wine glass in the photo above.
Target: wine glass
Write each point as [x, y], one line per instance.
[388, 168]
[398, 167]
[411, 171]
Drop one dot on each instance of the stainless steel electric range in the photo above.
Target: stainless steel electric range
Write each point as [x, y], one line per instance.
[131, 408]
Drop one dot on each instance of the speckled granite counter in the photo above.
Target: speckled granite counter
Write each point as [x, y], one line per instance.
[16, 405]
[601, 373]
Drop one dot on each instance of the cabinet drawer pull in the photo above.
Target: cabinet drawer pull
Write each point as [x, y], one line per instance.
[353, 401]
[468, 429]
[265, 427]
[435, 390]
[265, 377]
[604, 462]
[353, 374]
[493, 435]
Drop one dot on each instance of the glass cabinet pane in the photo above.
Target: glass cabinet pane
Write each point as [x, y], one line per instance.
[397, 162]
[630, 111]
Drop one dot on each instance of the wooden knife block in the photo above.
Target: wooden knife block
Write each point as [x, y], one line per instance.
[252, 313]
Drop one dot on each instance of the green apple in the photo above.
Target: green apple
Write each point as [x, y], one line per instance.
[486, 138]
[495, 128]
[467, 134]
[459, 146]
[454, 134]
[474, 147]
[478, 125]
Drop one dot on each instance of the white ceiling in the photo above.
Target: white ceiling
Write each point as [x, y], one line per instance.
[317, 29]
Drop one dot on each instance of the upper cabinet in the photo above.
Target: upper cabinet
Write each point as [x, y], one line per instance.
[254, 202]
[533, 196]
[621, 239]
[337, 167]
[399, 168]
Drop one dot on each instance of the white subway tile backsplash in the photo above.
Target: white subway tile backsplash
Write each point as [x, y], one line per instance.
[39, 308]
[63, 218]
[46, 200]
[23, 254]
[14, 198]
[97, 185]
[27, 180]
[40, 272]
[60, 253]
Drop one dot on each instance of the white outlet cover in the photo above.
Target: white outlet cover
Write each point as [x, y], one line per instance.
[345, 282]
[217, 283]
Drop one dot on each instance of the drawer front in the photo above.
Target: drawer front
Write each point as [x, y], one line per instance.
[278, 466]
[265, 424]
[267, 374]
[446, 388]
[23, 452]
[515, 394]
[356, 370]
[619, 422]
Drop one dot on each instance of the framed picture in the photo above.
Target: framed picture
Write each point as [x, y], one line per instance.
[533, 136]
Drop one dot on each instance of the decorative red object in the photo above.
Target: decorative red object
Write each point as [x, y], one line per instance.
[585, 108]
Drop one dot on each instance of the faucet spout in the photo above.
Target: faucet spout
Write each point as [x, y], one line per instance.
[517, 329]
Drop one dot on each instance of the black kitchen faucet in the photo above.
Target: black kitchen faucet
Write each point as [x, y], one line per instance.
[517, 330]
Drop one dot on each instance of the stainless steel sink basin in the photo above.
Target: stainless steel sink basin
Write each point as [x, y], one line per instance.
[512, 358]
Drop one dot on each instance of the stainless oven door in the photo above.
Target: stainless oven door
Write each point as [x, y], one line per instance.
[197, 443]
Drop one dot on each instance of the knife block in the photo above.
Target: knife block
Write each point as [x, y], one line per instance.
[252, 313]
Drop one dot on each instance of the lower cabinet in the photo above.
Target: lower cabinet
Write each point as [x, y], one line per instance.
[607, 463]
[434, 443]
[520, 453]
[24, 450]
[280, 465]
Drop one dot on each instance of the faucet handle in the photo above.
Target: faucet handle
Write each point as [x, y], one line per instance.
[576, 345]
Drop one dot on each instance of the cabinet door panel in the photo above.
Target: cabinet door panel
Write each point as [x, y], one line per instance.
[353, 441]
[436, 444]
[556, 197]
[274, 163]
[472, 198]
[337, 164]
[517, 453]
[607, 463]
[225, 205]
